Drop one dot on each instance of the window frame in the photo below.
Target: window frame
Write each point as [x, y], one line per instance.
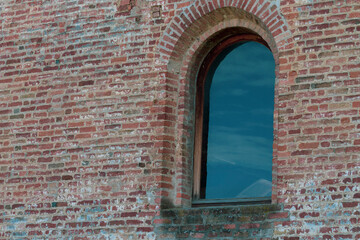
[201, 126]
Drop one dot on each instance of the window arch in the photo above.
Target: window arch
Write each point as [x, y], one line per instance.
[209, 144]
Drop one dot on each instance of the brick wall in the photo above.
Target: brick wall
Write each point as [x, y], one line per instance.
[318, 154]
[234, 222]
[97, 115]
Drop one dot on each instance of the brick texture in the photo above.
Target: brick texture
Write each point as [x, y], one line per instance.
[97, 117]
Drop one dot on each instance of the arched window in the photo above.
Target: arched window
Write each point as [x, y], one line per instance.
[234, 123]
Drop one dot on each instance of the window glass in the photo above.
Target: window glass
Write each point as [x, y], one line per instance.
[240, 128]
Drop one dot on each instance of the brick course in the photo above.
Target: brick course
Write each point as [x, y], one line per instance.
[97, 116]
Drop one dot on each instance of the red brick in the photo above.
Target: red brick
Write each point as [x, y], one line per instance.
[97, 110]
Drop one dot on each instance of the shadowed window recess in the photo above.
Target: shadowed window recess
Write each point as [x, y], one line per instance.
[234, 122]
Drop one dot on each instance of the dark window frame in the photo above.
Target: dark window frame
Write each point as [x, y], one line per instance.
[202, 120]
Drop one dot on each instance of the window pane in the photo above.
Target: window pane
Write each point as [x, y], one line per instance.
[240, 137]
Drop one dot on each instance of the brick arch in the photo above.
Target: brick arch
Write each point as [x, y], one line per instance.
[266, 12]
[188, 38]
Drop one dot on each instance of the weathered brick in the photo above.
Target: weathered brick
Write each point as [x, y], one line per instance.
[97, 111]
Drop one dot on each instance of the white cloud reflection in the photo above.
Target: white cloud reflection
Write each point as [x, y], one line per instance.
[228, 146]
[233, 92]
[260, 188]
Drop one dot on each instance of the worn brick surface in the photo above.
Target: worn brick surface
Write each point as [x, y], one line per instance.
[97, 116]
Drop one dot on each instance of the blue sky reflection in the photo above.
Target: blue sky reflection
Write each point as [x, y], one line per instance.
[241, 124]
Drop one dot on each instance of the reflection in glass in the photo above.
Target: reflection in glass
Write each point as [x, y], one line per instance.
[240, 135]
